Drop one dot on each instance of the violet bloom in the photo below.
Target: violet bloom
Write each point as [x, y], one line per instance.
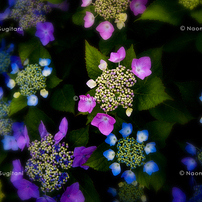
[138, 6]
[141, 67]
[18, 129]
[72, 194]
[89, 19]
[17, 167]
[105, 29]
[26, 189]
[45, 199]
[42, 130]
[86, 103]
[62, 131]
[9, 142]
[5, 14]
[82, 154]
[178, 195]
[118, 56]
[45, 32]
[104, 122]
[23, 139]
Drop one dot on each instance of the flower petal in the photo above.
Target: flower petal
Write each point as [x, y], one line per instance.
[47, 71]
[44, 62]
[191, 149]
[126, 130]
[109, 154]
[116, 168]
[89, 19]
[142, 136]
[111, 139]
[150, 167]
[129, 176]
[91, 83]
[190, 163]
[178, 195]
[32, 100]
[150, 147]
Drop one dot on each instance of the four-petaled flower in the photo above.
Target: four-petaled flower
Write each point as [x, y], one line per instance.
[89, 19]
[105, 29]
[86, 103]
[118, 56]
[138, 6]
[150, 167]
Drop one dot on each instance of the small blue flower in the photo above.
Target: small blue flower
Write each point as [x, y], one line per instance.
[111, 139]
[142, 136]
[129, 176]
[1, 92]
[112, 191]
[126, 129]
[109, 154]
[44, 62]
[150, 167]
[116, 168]
[32, 100]
[191, 149]
[10, 143]
[47, 71]
[10, 84]
[15, 68]
[150, 147]
[189, 162]
[178, 195]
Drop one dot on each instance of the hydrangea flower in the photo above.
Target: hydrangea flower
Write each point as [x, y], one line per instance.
[32, 100]
[120, 21]
[42, 130]
[82, 154]
[178, 195]
[86, 3]
[138, 6]
[86, 103]
[17, 167]
[9, 142]
[16, 64]
[118, 56]
[45, 199]
[23, 139]
[103, 65]
[105, 29]
[104, 122]
[130, 152]
[89, 19]
[45, 32]
[141, 67]
[72, 193]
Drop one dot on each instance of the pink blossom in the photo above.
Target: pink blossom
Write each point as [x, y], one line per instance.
[141, 67]
[86, 3]
[104, 122]
[89, 19]
[138, 6]
[118, 56]
[105, 29]
[86, 103]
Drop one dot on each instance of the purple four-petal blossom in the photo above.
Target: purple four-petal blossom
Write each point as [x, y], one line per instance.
[118, 56]
[190, 163]
[141, 67]
[138, 6]
[86, 103]
[45, 32]
[62, 131]
[17, 167]
[89, 19]
[104, 122]
[72, 194]
[42, 130]
[105, 29]
[18, 129]
[23, 139]
[82, 154]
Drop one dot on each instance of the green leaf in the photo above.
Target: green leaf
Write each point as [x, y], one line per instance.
[170, 111]
[33, 120]
[77, 18]
[17, 104]
[53, 81]
[157, 179]
[196, 14]
[86, 186]
[55, 1]
[78, 138]
[93, 57]
[63, 99]
[164, 11]
[93, 113]
[159, 131]
[130, 55]
[150, 94]
[3, 154]
[97, 161]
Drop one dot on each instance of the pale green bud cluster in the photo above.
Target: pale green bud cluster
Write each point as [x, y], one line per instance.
[29, 12]
[113, 88]
[110, 9]
[48, 163]
[31, 80]
[4, 61]
[130, 152]
[130, 193]
[191, 4]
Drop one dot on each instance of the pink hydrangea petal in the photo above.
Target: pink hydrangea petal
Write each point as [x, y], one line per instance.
[63, 126]
[114, 57]
[86, 103]
[86, 3]
[138, 6]
[96, 120]
[122, 53]
[105, 127]
[89, 19]
[21, 142]
[105, 29]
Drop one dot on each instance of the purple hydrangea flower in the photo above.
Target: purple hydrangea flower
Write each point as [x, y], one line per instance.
[138, 6]
[190, 163]
[128, 176]
[191, 149]
[26, 189]
[141, 67]
[73, 193]
[45, 32]
[89, 19]
[42, 130]
[150, 167]
[178, 195]
[62, 131]
[105, 29]
[127, 129]
[82, 154]
[17, 167]
[86, 103]
[45, 199]
[104, 122]
[118, 56]
[23, 139]
[9, 142]
[18, 129]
